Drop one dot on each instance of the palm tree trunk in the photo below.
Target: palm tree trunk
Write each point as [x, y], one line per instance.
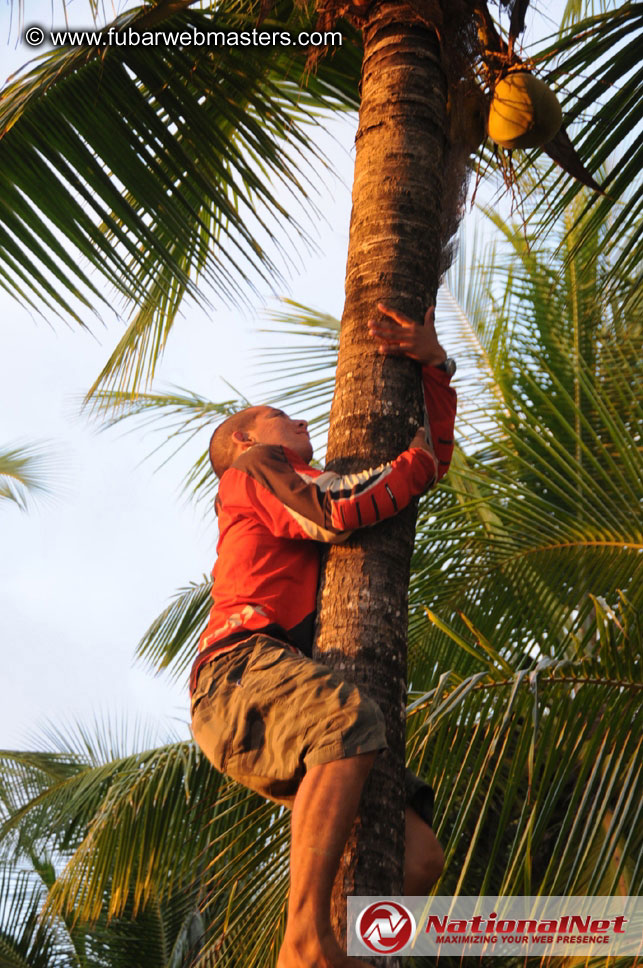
[394, 257]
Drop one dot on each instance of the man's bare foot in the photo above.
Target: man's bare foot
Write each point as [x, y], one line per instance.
[315, 953]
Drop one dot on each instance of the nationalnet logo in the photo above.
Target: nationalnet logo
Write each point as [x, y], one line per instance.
[385, 927]
[510, 926]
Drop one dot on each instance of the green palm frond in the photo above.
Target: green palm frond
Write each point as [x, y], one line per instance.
[24, 474]
[169, 643]
[180, 416]
[123, 824]
[157, 185]
[250, 873]
[180, 413]
[158, 843]
[108, 737]
[577, 10]
[596, 65]
[164, 935]
[475, 324]
[525, 635]
[543, 517]
[310, 351]
[543, 763]
[24, 941]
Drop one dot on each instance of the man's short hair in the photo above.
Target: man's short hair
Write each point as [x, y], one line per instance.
[222, 446]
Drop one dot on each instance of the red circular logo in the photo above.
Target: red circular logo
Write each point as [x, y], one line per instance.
[385, 927]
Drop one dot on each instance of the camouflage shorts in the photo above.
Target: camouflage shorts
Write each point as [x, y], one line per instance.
[263, 713]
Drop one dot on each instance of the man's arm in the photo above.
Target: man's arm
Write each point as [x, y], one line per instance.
[293, 503]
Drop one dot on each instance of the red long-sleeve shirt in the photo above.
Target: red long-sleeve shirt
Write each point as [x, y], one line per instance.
[273, 509]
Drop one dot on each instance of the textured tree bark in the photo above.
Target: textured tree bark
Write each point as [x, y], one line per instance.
[393, 257]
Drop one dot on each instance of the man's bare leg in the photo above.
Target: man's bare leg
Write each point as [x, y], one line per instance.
[424, 859]
[323, 813]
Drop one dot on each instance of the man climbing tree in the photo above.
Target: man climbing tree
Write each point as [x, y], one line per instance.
[181, 153]
[263, 710]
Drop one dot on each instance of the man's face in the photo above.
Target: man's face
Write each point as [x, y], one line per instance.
[273, 426]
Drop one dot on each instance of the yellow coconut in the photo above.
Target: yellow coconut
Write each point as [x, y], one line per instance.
[524, 112]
